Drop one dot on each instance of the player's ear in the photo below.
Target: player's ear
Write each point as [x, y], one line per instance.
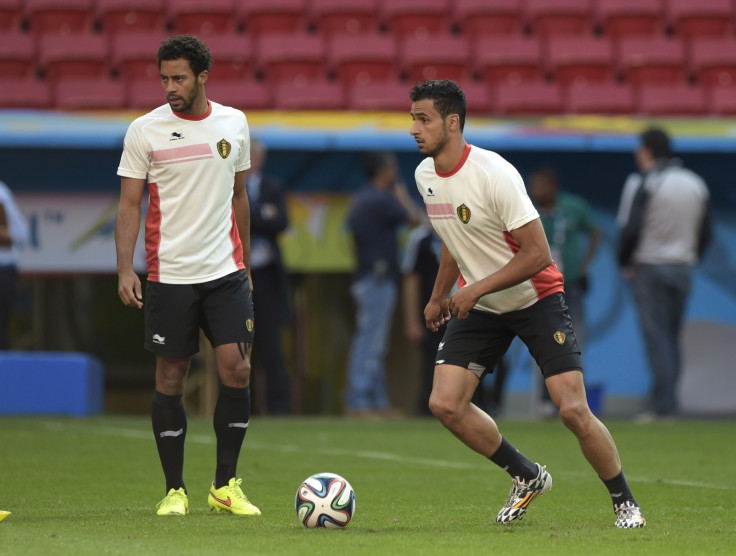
[453, 122]
[202, 77]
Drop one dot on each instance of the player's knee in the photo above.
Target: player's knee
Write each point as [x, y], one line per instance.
[574, 415]
[442, 407]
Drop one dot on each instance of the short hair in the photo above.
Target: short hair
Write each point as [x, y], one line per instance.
[657, 141]
[373, 162]
[189, 48]
[547, 174]
[447, 95]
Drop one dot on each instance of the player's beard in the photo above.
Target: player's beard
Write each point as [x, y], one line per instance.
[187, 103]
[441, 143]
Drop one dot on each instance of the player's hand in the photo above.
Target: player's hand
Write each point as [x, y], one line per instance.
[462, 301]
[436, 313]
[129, 289]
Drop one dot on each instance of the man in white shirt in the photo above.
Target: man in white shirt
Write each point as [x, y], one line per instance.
[494, 246]
[193, 154]
[13, 234]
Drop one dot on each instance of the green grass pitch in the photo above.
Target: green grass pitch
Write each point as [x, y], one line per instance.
[90, 486]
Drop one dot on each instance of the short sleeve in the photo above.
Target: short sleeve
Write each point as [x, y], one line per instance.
[135, 160]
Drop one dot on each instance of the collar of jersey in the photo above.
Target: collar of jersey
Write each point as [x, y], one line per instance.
[195, 118]
[459, 165]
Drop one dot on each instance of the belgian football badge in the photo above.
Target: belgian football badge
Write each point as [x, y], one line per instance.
[249, 325]
[463, 213]
[559, 337]
[224, 148]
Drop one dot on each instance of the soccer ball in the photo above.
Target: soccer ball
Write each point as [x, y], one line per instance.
[325, 500]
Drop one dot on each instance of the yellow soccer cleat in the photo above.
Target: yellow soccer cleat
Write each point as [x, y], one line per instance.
[231, 499]
[3, 514]
[175, 503]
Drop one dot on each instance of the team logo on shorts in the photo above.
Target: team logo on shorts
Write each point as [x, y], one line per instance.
[249, 325]
[559, 337]
[224, 148]
[463, 213]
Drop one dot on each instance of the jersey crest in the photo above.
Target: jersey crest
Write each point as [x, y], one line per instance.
[463, 213]
[224, 148]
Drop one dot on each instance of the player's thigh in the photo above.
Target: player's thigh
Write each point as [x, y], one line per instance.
[227, 310]
[547, 331]
[171, 319]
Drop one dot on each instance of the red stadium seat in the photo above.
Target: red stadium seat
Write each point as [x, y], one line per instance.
[272, 16]
[17, 54]
[478, 97]
[291, 57]
[559, 17]
[245, 94]
[417, 18]
[391, 95]
[233, 56]
[82, 55]
[672, 100]
[528, 99]
[435, 57]
[11, 15]
[90, 94]
[600, 98]
[713, 61]
[630, 18]
[310, 95]
[337, 17]
[50, 16]
[580, 59]
[479, 18]
[513, 59]
[701, 18]
[722, 100]
[652, 60]
[203, 18]
[25, 93]
[363, 58]
[144, 94]
[134, 55]
[122, 16]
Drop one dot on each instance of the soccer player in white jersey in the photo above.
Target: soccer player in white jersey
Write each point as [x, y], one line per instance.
[494, 246]
[193, 154]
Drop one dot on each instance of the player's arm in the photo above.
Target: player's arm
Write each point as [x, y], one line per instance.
[437, 312]
[241, 210]
[532, 257]
[127, 224]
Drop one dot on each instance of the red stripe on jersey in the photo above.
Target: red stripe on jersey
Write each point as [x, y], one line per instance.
[545, 282]
[181, 154]
[237, 244]
[153, 233]
[440, 211]
[457, 167]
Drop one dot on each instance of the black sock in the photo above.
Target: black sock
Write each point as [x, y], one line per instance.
[619, 489]
[170, 429]
[514, 462]
[232, 413]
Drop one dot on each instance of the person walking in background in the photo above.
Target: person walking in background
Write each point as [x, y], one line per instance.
[13, 235]
[573, 237]
[419, 269]
[494, 243]
[664, 219]
[374, 217]
[193, 153]
[268, 218]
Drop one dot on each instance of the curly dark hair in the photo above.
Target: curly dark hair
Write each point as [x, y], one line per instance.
[189, 48]
[447, 95]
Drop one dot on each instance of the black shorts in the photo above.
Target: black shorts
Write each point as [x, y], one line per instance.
[479, 341]
[222, 308]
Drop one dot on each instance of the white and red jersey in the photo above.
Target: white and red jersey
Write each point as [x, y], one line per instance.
[474, 208]
[190, 165]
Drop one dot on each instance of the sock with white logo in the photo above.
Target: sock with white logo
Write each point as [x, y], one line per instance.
[619, 489]
[170, 429]
[232, 413]
[514, 462]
